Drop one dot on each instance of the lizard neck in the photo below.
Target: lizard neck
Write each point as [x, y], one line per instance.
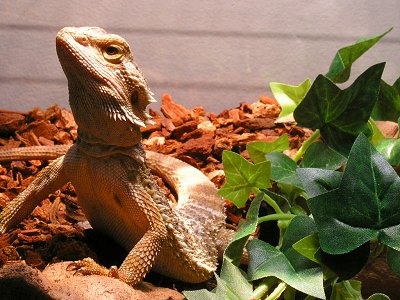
[97, 125]
[136, 152]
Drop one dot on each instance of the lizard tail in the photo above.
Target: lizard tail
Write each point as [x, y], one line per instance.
[197, 196]
[189, 183]
[36, 152]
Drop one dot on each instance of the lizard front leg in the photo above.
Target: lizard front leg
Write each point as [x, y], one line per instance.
[49, 180]
[134, 205]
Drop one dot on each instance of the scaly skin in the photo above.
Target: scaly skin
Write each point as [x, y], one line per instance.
[107, 166]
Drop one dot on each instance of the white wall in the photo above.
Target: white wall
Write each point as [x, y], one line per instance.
[210, 53]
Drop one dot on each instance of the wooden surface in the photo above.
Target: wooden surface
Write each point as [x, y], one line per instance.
[210, 53]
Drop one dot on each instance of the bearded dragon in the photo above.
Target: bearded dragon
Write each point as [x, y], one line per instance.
[108, 167]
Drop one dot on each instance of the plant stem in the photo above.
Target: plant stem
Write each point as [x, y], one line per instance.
[277, 292]
[348, 286]
[275, 217]
[379, 248]
[263, 288]
[306, 144]
[271, 202]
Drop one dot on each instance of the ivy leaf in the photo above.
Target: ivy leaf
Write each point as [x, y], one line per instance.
[289, 96]
[232, 283]
[340, 114]
[284, 169]
[393, 260]
[320, 155]
[308, 247]
[243, 177]
[347, 265]
[378, 296]
[387, 108]
[234, 250]
[290, 192]
[364, 206]
[340, 68]
[319, 181]
[348, 289]
[377, 135]
[282, 202]
[287, 265]
[258, 150]
[390, 149]
[269, 261]
[202, 294]
[299, 228]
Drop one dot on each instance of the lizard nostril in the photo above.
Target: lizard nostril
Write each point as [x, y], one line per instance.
[83, 40]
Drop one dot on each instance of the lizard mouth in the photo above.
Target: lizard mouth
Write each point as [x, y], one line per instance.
[135, 101]
[71, 47]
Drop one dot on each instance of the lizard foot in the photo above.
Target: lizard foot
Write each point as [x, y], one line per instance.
[88, 266]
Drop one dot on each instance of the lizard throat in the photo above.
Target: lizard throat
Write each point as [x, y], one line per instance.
[136, 152]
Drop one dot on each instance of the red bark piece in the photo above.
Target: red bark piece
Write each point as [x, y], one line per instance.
[235, 115]
[67, 120]
[45, 142]
[246, 108]
[268, 100]
[265, 110]
[154, 127]
[168, 124]
[186, 127]
[36, 114]
[198, 112]
[11, 143]
[10, 122]
[52, 113]
[177, 113]
[169, 147]
[195, 134]
[39, 128]
[222, 144]
[63, 137]
[224, 114]
[256, 123]
[200, 147]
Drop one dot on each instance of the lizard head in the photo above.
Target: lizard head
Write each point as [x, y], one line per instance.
[103, 78]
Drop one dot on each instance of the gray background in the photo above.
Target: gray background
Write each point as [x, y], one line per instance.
[210, 53]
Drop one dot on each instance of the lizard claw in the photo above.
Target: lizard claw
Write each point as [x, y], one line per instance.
[88, 266]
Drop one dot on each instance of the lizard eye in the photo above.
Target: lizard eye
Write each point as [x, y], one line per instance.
[113, 53]
[112, 50]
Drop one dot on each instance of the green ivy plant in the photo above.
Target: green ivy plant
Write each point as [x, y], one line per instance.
[330, 221]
